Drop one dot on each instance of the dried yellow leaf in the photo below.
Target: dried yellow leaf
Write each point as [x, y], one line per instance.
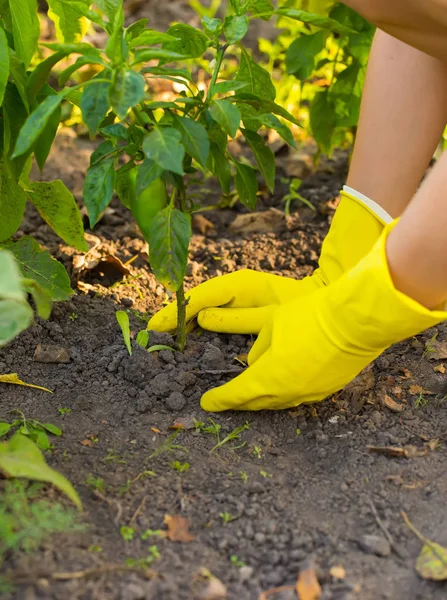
[14, 378]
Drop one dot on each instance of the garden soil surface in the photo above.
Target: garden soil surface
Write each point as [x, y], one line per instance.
[319, 489]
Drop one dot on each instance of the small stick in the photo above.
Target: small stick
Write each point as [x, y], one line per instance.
[84, 573]
[119, 508]
[382, 526]
[138, 511]
[277, 590]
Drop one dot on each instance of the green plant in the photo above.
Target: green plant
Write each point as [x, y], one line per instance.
[73, 316]
[421, 401]
[64, 411]
[123, 321]
[236, 562]
[127, 533]
[168, 446]
[151, 532]
[233, 435]
[142, 563]
[96, 483]
[244, 476]
[293, 195]
[172, 143]
[257, 451]
[36, 431]
[227, 517]
[180, 467]
[113, 457]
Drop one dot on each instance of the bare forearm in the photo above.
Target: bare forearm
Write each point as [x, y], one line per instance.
[419, 24]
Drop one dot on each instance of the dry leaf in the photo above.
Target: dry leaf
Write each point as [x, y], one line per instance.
[392, 404]
[178, 529]
[202, 225]
[268, 221]
[307, 586]
[397, 452]
[155, 430]
[433, 444]
[416, 390]
[14, 378]
[436, 350]
[397, 391]
[439, 368]
[361, 384]
[277, 590]
[406, 374]
[242, 358]
[338, 572]
[176, 426]
[186, 423]
[215, 590]
[87, 443]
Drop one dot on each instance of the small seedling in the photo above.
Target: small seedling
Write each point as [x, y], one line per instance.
[298, 432]
[160, 347]
[142, 338]
[96, 483]
[293, 195]
[236, 562]
[94, 548]
[180, 467]
[73, 316]
[126, 486]
[168, 446]
[234, 435]
[64, 411]
[112, 457]
[152, 532]
[244, 476]
[36, 431]
[265, 474]
[127, 533]
[213, 428]
[143, 563]
[257, 451]
[226, 517]
[123, 321]
[420, 402]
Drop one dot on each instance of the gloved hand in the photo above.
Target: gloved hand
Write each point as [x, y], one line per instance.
[313, 346]
[241, 302]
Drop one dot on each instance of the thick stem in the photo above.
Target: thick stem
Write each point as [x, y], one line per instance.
[219, 58]
[181, 318]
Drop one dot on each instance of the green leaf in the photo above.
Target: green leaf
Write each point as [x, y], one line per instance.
[212, 26]
[169, 237]
[136, 29]
[123, 321]
[116, 47]
[46, 138]
[191, 42]
[223, 87]
[57, 207]
[346, 94]
[323, 120]
[163, 146]
[39, 76]
[95, 105]
[81, 9]
[432, 562]
[263, 105]
[15, 313]
[148, 172]
[36, 123]
[246, 184]
[70, 25]
[235, 28]
[20, 457]
[4, 428]
[125, 183]
[126, 91]
[37, 264]
[178, 73]
[12, 204]
[142, 340]
[264, 157]
[4, 63]
[221, 167]
[52, 429]
[227, 115]
[42, 298]
[25, 28]
[142, 56]
[258, 80]
[41, 439]
[110, 8]
[83, 48]
[148, 37]
[261, 7]
[194, 138]
[272, 122]
[81, 62]
[314, 19]
[160, 347]
[300, 57]
[98, 187]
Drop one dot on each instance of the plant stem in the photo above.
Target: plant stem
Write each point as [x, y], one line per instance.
[181, 318]
[219, 58]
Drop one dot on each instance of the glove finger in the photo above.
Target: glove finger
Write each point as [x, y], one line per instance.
[264, 339]
[252, 390]
[235, 320]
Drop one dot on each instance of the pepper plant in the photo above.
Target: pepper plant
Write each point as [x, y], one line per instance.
[152, 150]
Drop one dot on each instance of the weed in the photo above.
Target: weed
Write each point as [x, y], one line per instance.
[180, 467]
[213, 428]
[153, 554]
[429, 348]
[64, 411]
[257, 451]
[96, 483]
[73, 316]
[293, 195]
[127, 533]
[227, 517]
[126, 486]
[420, 402]
[234, 435]
[36, 431]
[298, 432]
[236, 562]
[265, 474]
[244, 476]
[94, 548]
[168, 446]
[112, 457]
[152, 532]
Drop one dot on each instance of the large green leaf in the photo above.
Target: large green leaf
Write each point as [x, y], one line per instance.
[57, 206]
[264, 157]
[25, 28]
[4, 63]
[12, 203]
[81, 62]
[95, 105]
[145, 55]
[263, 8]
[246, 184]
[148, 172]
[261, 106]
[258, 80]
[314, 19]
[271, 121]
[126, 91]
[194, 138]
[323, 120]
[110, 8]
[148, 37]
[169, 237]
[163, 146]
[235, 28]
[15, 313]
[74, 48]
[20, 457]
[346, 94]
[36, 123]
[227, 115]
[98, 187]
[46, 138]
[300, 56]
[70, 25]
[190, 42]
[39, 76]
[37, 264]
[15, 113]
[220, 166]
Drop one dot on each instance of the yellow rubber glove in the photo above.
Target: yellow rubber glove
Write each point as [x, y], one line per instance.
[312, 347]
[250, 297]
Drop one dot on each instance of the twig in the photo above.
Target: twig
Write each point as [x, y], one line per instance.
[278, 590]
[137, 512]
[119, 508]
[220, 372]
[422, 537]
[382, 526]
[93, 572]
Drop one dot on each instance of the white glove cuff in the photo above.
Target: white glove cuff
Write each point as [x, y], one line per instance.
[373, 206]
